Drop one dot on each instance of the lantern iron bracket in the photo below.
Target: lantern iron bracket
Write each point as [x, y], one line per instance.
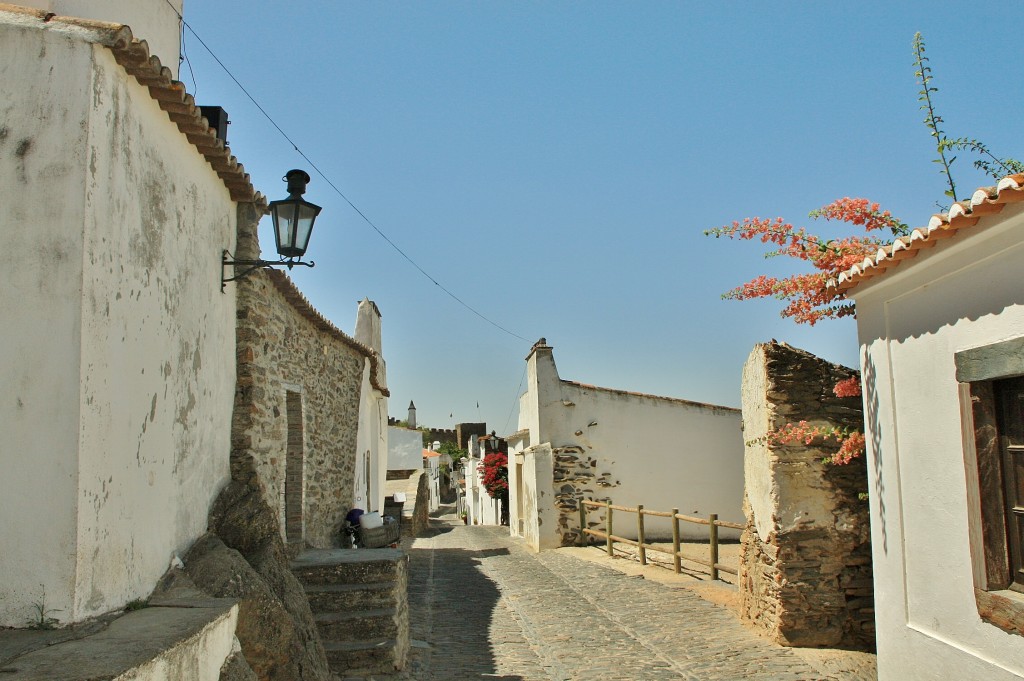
[228, 260]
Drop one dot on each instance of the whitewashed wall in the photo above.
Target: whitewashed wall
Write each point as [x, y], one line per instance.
[118, 349]
[480, 507]
[405, 449]
[373, 411]
[964, 294]
[532, 514]
[661, 452]
[155, 21]
[432, 470]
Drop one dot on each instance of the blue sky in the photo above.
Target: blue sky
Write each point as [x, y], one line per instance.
[554, 164]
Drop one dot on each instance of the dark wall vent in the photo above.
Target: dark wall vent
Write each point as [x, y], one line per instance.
[218, 120]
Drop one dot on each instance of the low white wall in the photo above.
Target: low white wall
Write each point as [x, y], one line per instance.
[119, 348]
[405, 449]
[964, 294]
[661, 452]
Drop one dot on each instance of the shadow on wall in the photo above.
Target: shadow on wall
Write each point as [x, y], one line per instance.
[872, 426]
[453, 613]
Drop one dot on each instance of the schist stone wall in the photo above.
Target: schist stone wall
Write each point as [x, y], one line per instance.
[296, 408]
[805, 561]
[576, 477]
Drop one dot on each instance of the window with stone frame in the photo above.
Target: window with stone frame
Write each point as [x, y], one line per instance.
[992, 394]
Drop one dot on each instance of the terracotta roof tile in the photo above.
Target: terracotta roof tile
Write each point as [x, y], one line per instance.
[968, 216]
[134, 57]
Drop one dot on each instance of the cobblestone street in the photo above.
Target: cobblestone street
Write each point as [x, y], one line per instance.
[483, 606]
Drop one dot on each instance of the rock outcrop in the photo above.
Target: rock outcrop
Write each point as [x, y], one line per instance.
[243, 557]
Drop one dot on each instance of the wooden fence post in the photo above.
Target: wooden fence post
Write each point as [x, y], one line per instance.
[583, 523]
[608, 527]
[676, 561]
[713, 518]
[640, 533]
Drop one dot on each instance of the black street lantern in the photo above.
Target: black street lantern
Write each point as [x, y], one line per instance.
[293, 224]
[293, 217]
[493, 441]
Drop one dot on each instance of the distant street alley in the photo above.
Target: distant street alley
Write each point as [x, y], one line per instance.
[483, 606]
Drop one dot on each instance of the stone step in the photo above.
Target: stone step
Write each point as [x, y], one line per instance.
[360, 624]
[360, 658]
[350, 566]
[339, 597]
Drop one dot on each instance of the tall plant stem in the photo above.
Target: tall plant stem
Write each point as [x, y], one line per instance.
[933, 120]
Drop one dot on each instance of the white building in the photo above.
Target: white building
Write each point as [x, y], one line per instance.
[118, 350]
[480, 507]
[940, 315]
[580, 441]
[372, 445]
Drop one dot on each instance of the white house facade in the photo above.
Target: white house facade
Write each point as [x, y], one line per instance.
[581, 441]
[940, 317]
[118, 351]
[480, 507]
[372, 445]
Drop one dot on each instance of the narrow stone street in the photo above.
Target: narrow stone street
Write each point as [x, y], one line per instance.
[484, 607]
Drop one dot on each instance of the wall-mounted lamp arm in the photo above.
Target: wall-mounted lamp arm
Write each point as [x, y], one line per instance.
[228, 260]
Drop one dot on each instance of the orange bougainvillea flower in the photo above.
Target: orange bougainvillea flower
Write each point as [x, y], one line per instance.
[808, 297]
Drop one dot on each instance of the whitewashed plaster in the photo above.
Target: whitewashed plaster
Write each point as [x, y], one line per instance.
[155, 21]
[405, 449]
[481, 509]
[532, 514]
[118, 351]
[661, 452]
[964, 293]
[432, 469]
[372, 439]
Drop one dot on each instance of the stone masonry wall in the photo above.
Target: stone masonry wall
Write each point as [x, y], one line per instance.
[575, 478]
[284, 346]
[805, 561]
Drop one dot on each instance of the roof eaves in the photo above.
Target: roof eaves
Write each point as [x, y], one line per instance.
[962, 215]
[170, 95]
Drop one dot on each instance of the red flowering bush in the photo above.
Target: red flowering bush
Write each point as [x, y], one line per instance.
[495, 476]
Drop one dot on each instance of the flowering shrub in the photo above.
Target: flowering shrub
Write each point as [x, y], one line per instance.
[495, 476]
[809, 299]
[848, 388]
[851, 443]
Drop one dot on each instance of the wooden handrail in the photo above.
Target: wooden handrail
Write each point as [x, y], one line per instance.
[711, 521]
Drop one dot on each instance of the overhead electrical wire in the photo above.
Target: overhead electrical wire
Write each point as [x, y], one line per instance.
[515, 399]
[332, 185]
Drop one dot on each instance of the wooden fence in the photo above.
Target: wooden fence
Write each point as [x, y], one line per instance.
[711, 521]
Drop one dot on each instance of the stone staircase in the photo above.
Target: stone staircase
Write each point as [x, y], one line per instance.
[360, 603]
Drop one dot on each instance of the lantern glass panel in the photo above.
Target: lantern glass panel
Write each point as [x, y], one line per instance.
[307, 213]
[283, 213]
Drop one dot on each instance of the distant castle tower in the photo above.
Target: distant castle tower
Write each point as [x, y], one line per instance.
[412, 415]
